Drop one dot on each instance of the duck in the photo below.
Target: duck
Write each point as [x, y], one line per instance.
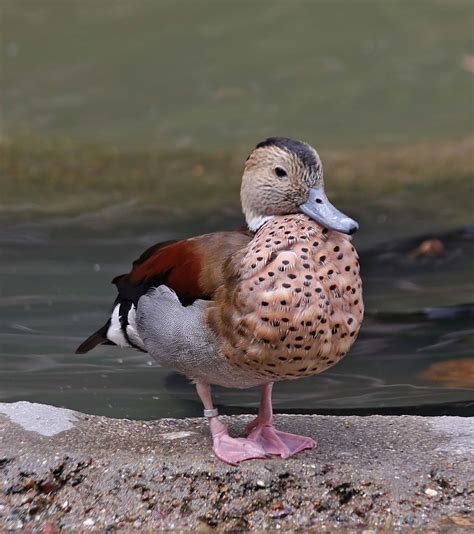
[278, 300]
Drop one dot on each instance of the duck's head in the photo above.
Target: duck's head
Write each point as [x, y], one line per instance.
[282, 177]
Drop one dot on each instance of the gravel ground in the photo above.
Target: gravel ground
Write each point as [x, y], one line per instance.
[66, 470]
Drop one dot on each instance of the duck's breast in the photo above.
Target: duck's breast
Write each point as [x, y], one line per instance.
[292, 305]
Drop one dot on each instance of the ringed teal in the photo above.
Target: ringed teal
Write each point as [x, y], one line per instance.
[280, 301]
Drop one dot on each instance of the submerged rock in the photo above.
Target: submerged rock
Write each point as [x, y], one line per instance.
[452, 373]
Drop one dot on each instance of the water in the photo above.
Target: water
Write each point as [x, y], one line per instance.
[183, 73]
[55, 290]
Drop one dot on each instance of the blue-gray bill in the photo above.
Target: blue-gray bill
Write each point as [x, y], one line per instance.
[321, 210]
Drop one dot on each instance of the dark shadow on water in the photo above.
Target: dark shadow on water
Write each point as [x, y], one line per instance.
[179, 383]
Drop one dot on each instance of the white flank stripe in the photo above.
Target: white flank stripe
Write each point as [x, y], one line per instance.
[132, 329]
[114, 333]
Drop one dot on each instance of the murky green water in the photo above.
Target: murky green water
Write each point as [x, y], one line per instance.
[55, 290]
[214, 78]
[209, 74]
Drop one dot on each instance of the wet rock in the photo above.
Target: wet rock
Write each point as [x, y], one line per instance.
[429, 247]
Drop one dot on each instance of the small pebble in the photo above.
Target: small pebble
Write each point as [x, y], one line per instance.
[260, 483]
[88, 522]
[431, 492]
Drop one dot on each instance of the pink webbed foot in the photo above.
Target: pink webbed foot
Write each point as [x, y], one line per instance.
[278, 443]
[236, 450]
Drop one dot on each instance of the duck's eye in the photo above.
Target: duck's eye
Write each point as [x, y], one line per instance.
[280, 172]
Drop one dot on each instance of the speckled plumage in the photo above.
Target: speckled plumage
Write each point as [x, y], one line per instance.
[291, 305]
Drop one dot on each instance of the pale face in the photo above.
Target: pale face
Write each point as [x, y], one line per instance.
[283, 176]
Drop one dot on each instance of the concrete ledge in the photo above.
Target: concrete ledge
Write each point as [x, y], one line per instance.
[63, 469]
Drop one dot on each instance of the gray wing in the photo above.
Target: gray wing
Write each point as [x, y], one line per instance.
[178, 337]
[174, 335]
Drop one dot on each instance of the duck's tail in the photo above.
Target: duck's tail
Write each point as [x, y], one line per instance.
[97, 338]
[119, 330]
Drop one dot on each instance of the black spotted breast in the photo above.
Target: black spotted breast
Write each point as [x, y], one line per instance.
[294, 307]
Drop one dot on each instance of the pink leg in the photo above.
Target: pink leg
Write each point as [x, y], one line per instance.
[262, 432]
[227, 449]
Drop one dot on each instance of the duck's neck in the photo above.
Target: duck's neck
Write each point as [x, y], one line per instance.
[255, 222]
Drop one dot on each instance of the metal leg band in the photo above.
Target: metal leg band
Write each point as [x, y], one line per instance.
[211, 413]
